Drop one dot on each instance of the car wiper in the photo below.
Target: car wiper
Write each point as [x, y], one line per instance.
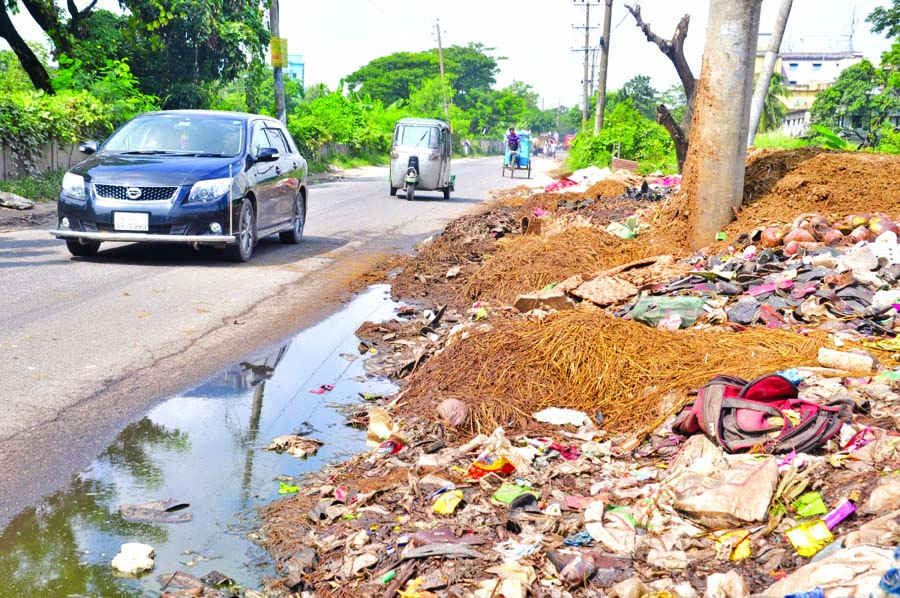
[150, 152]
[209, 155]
[424, 135]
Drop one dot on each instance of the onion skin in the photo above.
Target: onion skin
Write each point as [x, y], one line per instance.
[858, 220]
[819, 221]
[800, 235]
[881, 224]
[832, 237]
[861, 233]
[791, 248]
[845, 226]
[772, 236]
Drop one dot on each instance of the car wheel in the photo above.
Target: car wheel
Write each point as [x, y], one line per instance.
[246, 235]
[393, 191]
[88, 249]
[298, 221]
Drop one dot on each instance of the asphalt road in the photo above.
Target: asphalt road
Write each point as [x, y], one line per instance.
[87, 345]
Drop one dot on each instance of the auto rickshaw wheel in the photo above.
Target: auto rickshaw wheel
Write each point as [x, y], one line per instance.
[411, 191]
[529, 171]
[393, 191]
[446, 191]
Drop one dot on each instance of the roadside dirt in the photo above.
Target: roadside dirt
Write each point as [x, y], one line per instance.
[42, 214]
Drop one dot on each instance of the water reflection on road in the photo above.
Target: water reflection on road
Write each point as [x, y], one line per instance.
[205, 448]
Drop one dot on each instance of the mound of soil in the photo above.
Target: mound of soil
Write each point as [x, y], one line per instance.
[781, 184]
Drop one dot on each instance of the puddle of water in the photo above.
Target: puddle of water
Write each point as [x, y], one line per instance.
[205, 448]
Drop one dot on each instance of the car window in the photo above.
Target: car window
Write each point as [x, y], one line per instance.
[258, 141]
[276, 140]
[178, 134]
[290, 141]
[418, 136]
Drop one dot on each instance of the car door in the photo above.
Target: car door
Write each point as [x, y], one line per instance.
[263, 177]
[286, 188]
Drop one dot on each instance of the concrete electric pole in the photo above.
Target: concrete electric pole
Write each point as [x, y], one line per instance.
[714, 177]
[768, 66]
[586, 95]
[280, 110]
[604, 64]
[437, 27]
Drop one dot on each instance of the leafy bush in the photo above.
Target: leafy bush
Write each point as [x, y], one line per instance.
[113, 84]
[828, 138]
[31, 119]
[40, 187]
[630, 134]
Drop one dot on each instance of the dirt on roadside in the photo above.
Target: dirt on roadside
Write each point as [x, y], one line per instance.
[42, 214]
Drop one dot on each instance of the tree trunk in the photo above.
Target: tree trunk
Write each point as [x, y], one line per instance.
[717, 155]
[679, 137]
[30, 63]
[768, 65]
[674, 50]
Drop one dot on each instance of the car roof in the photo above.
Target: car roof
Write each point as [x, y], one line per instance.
[244, 116]
[432, 122]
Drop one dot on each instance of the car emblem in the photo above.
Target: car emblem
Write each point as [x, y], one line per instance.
[133, 192]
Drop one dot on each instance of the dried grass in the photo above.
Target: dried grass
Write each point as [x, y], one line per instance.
[525, 264]
[593, 362]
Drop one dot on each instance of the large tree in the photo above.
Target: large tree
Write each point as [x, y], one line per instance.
[177, 48]
[394, 77]
[642, 95]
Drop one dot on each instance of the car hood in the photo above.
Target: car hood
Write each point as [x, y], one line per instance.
[120, 169]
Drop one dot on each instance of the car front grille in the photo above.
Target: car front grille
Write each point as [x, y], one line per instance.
[127, 193]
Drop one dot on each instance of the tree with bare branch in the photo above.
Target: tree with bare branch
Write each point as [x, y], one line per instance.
[674, 50]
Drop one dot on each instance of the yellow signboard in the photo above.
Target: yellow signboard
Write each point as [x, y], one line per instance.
[279, 49]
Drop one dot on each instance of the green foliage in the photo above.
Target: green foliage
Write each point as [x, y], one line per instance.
[395, 77]
[827, 138]
[675, 100]
[629, 133]
[12, 75]
[113, 84]
[888, 140]
[778, 141]
[774, 110]
[181, 50]
[886, 19]
[44, 186]
[30, 119]
[641, 94]
[861, 95]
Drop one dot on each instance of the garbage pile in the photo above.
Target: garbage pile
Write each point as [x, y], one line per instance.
[572, 512]
[589, 412]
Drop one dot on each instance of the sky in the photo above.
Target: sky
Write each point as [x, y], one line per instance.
[536, 37]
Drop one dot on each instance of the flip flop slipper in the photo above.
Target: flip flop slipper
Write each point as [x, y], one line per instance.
[322, 389]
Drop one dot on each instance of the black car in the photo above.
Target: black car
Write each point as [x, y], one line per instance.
[187, 176]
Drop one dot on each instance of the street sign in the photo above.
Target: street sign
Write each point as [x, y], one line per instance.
[279, 47]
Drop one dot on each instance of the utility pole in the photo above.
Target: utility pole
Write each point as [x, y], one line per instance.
[768, 66]
[437, 26]
[558, 107]
[604, 64]
[717, 155]
[280, 111]
[586, 103]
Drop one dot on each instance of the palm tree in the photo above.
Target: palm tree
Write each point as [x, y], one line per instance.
[774, 110]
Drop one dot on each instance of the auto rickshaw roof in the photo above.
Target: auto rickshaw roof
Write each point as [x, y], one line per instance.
[431, 122]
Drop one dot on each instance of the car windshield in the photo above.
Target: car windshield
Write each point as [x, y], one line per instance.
[181, 135]
[417, 136]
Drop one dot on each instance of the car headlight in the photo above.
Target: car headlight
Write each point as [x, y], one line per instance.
[210, 190]
[73, 186]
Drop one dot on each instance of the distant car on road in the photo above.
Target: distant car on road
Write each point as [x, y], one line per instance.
[186, 176]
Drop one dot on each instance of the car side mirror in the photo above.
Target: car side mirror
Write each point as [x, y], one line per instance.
[88, 147]
[267, 154]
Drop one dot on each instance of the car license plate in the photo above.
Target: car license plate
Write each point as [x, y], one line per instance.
[133, 221]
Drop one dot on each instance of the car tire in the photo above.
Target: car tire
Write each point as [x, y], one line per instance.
[393, 191]
[87, 249]
[298, 222]
[242, 251]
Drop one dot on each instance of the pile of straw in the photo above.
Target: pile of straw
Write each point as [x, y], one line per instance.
[525, 264]
[593, 362]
